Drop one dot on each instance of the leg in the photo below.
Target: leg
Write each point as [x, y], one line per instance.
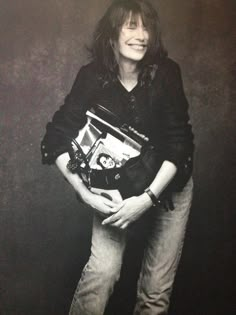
[101, 272]
[162, 255]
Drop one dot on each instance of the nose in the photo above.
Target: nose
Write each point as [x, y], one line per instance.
[141, 33]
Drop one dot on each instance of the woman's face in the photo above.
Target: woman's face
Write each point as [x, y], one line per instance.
[132, 43]
[107, 162]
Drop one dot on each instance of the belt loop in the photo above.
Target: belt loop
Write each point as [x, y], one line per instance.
[170, 203]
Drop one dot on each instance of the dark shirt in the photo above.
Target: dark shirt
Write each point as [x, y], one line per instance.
[158, 109]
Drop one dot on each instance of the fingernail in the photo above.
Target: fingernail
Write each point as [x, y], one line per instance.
[113, 210]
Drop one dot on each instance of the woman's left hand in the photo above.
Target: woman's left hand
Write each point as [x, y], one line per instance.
[128, 211]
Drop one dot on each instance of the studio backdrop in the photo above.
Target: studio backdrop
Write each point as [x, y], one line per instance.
[45, 231]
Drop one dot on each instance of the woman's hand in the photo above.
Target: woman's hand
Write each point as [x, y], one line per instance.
[101, 204]
[128, 211]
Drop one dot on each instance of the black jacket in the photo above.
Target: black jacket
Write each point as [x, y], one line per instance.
[158, 109]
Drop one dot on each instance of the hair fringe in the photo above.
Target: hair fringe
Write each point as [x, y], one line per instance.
[108, 29]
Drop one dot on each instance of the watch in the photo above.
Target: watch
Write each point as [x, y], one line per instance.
[154, 199]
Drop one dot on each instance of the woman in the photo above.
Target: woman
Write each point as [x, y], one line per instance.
[131, 75]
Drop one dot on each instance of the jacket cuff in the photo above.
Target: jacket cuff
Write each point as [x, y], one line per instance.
[49, 156]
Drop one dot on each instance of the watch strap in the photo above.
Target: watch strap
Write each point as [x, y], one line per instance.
[154, 199]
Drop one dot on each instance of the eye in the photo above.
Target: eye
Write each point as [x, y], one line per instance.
[132, 26]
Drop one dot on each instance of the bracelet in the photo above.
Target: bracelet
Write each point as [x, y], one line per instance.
[154, 199]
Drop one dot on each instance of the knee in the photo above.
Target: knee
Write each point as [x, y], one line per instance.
[108, 272]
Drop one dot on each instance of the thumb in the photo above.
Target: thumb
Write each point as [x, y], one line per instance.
[114, 210]
[117, 208]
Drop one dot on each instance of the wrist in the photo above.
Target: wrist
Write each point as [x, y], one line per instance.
[152, 196]
[145, 200]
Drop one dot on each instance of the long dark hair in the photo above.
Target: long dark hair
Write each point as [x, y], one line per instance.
[108, 30]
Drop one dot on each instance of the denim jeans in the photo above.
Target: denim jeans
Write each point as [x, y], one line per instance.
[159, 265]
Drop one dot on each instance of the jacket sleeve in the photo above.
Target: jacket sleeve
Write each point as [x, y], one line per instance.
[70, 117]
[177, 131]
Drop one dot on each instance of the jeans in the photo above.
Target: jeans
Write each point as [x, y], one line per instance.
[159, 265]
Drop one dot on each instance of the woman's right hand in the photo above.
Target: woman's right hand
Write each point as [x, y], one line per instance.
[101, 204]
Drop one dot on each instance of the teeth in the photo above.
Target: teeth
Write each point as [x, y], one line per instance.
[138, 46]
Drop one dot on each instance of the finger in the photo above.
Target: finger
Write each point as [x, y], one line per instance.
[113, 218]
[109, 203]
[117, 223]
[114, 210]
[124, 225]
[117, 207]
[108, 220]
[102, 208]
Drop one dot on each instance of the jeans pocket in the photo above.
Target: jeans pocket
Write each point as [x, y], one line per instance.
[182, 200]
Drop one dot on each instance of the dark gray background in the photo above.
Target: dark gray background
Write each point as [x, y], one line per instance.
[44, 233]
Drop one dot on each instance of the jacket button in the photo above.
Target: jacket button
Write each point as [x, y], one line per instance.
[136, 120]
[132, 99]
[117, 176]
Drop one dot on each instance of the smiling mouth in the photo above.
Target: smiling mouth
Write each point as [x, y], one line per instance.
[138, 46]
